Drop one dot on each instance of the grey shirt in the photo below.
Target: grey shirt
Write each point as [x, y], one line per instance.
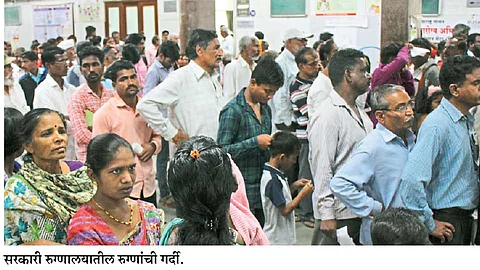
[333, 134]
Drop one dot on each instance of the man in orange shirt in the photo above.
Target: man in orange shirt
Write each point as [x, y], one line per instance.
[119, 115]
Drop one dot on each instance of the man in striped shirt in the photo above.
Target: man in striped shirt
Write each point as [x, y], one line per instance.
[308, 64]
[334, 131]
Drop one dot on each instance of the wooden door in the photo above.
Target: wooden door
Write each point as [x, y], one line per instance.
[128, 17]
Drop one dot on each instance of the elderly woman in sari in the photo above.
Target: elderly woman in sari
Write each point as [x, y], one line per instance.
[42, 197]
[111, 217]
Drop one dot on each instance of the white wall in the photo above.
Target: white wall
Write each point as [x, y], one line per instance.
[457, 9]
[168, 21]
[353, 37]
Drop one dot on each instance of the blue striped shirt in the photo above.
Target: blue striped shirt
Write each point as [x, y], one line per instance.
[440, 172]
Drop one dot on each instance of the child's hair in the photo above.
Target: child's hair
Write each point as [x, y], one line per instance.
[284, 143]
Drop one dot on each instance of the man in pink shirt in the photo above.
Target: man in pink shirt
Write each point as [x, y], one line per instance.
[119, 115]
[151, 52]
[88, 98]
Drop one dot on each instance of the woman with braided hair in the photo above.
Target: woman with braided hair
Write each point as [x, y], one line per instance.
[201, 181]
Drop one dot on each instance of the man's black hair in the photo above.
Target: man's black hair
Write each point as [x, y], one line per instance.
[199, 37]
[169, 49]
[91, 51]
[455, 70]
[268, 72]
[340, 62]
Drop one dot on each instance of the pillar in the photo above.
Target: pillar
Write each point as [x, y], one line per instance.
[399, 17]
[195, 14]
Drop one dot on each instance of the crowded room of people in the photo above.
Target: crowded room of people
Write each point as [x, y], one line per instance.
[245, 123]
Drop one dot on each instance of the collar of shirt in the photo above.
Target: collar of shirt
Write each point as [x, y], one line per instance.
[121, 104]
[338, 101]
[454, 113]
[242, 62]
[243, 102]
[303, 81]
[417, 73]
[388, 136]
[87, 89]
[289, 55]
[40, 72]
[160, 66]
[269, 167]
[53, 84]
[198, 71]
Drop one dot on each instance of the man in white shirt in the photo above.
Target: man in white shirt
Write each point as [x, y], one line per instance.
[282, 109]
[18, 71]
[237, 74]
[192, 94]
[13, 95]
[227, 43]
[54, 92]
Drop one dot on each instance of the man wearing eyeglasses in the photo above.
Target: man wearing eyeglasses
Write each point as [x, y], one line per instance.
[54, 92]
[308, 63]
[368, 182]
[440, 180]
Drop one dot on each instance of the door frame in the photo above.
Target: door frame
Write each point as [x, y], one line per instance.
[122, 15]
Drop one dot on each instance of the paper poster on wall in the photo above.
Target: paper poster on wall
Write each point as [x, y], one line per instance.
[52, 21]
[372, 6]
[89, 12]
[350, 21]
[439, 29]
[245, 24]
[336, 7]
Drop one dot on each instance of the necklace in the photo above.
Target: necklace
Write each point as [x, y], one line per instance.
[114, 218]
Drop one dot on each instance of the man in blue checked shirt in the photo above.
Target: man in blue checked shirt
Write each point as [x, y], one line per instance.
[368, 182]
[440, 180]
[245, 127]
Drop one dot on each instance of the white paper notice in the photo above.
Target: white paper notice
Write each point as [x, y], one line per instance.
[347, 21]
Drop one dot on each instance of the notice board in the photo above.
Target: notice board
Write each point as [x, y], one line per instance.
[288, 8]
[52, 21]
[430, 7]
